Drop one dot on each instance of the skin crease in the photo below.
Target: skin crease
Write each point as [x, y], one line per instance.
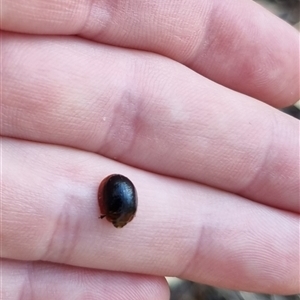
[178, 98]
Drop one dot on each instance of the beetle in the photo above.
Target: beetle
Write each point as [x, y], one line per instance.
[117, 198]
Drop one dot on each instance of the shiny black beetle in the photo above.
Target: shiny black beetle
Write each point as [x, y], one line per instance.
[117, 198]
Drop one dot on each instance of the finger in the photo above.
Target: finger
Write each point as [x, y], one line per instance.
[257, 55]
[182, 229]
[39, 280]
[182, 125]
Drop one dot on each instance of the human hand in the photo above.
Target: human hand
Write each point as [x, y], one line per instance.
[216, 171]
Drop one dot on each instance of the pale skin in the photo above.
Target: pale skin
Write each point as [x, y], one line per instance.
[178, 96]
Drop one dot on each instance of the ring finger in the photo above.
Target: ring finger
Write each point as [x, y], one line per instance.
[182, 229]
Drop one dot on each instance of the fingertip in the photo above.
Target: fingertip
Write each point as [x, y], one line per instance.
[42, 280]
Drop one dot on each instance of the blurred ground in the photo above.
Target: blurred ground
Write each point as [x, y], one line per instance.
[187, 290]
[288, 10]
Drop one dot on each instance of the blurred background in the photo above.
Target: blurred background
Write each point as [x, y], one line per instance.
[288, 10]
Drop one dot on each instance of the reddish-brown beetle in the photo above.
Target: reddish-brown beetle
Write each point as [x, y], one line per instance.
[117, 199]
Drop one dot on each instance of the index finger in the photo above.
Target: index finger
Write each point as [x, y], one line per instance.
[256, 54]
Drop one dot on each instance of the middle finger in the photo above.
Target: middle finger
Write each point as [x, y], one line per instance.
[148, 111]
